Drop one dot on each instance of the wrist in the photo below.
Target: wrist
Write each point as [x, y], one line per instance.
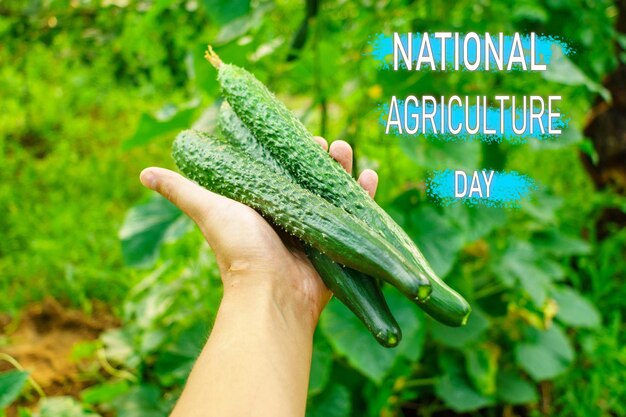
[264, 293]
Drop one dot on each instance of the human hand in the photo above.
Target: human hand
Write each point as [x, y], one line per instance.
[250, 253]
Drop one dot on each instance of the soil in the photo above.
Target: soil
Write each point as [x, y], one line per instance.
[42, 338]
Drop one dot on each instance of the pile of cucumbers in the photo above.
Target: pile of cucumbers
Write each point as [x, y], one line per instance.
[265, 158]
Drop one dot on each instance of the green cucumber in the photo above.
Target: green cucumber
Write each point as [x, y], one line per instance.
[224, 169]
[357, 291]
[288, 141]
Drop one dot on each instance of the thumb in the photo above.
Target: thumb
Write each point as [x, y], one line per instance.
[203, 206]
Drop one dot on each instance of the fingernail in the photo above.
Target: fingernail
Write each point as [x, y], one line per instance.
[148, 179]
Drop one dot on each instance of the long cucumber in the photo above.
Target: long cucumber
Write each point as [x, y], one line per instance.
[359, 292]
[289, 143]
[222, 168]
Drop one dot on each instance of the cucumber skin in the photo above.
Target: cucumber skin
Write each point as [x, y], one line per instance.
[286, 138]
[222, 168]
[357, 291]
[361, 294]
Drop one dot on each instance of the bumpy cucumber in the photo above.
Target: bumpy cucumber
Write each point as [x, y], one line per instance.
[288, 141]
[359, 292]
[220, 167]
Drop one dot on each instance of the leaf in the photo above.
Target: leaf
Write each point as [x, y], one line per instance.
[556, 243]
[333, 402]
[547, 357]
[169, 119]
[563, 71]
[520, 263]
[321, 364]
[174, 364]
[104, 393]
[119, 347]
[222, 12]
[437, 154]
[147, 226]
[481, 364]
[457, 393]
[11, 385]
[459, 337]
[555, 340]
[434, 234]
[350, 338]
[62, 407]
[514, 390]
[539, 362]
[411, 321]
[140, 401]
[475, 222]
[574, 309]
[542, 207]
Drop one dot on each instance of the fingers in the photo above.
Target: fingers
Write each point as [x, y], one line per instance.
[369, 181]
[321, 141]
[342, 153]
[198, 203]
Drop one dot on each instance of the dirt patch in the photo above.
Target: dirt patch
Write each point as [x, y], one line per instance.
[42, 339]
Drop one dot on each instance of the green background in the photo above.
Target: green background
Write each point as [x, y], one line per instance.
[91, 92]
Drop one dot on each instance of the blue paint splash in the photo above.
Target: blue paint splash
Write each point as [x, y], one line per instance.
[544, 48]
[490, 120]
[507, 188]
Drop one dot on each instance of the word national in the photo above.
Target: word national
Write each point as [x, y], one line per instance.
[470, 52]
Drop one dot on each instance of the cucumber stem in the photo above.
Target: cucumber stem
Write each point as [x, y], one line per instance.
[212, 57]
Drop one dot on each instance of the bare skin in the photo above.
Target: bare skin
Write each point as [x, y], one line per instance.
[257, 359]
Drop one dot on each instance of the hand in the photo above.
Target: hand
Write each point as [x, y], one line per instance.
[261, 331]
[244, 242]
[249, 251]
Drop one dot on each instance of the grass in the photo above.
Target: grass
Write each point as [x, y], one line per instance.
[65, 182]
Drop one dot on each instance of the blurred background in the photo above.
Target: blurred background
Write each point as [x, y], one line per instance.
[108, 292]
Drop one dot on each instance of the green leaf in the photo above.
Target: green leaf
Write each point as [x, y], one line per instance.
[547, 357]
[119, 347]
[62, 407]
[437, 154]
[11, 385]
[574, 309]
[514, 390]
[333, 402]
[175, 362]
[539, 362]
[436, 236]
[475, 222]
[104, 393]
[147, 226]
[170, 119]
[140, 401]
[520, 263]
[350, 338]
[411, 321]
[459, 337]
[222, 12]
[481, 364]
[321, 364]
[553, 241]
[555, 340]
[563, 71]
[458, 394]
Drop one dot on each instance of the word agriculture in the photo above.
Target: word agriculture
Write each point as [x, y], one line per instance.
[470, 51]
[457, 116]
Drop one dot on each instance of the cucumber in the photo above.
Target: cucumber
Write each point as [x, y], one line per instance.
[224, 169]
[357, 291]
[288, 141]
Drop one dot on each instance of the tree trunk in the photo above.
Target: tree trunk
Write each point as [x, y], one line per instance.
[606, 128]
